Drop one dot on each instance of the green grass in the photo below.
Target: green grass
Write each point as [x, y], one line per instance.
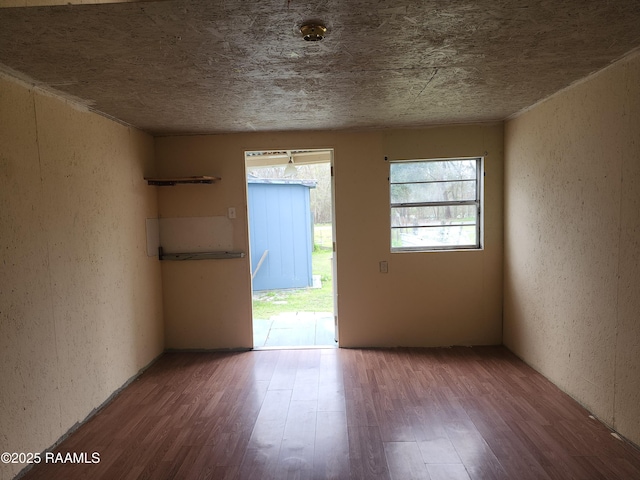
[273, 302]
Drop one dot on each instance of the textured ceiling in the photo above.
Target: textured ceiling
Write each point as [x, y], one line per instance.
[210, 66]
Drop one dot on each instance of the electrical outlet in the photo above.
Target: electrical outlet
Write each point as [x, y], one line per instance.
[384, 267]
[232, 212]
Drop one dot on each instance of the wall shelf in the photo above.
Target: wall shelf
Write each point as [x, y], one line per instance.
[199, 255]
[167, 182]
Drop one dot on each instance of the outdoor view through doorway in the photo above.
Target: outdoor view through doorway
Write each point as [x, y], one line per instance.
[290, 206]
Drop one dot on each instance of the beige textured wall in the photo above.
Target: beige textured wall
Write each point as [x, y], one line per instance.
[426, 299]
[572, 267]
[80, 301]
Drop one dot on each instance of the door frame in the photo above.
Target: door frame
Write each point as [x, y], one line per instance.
[281, 157]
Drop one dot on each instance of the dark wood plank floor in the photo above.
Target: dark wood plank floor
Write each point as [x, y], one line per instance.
[454, 414]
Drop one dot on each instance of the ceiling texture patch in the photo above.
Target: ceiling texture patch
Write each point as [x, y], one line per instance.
[213, 66]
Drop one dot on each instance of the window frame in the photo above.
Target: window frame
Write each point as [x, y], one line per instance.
[478, 202]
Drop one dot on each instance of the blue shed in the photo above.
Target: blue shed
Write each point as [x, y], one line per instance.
[281, 233]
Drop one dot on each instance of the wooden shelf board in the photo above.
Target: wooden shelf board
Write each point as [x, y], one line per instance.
[201, 256]
[164, 182]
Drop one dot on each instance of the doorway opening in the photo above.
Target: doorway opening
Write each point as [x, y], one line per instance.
[292, 248]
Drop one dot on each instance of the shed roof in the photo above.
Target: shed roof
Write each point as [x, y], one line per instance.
[283, 181]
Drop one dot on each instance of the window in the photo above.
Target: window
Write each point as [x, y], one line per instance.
[436, 204]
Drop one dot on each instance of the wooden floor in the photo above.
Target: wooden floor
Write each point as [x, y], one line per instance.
[459, 413]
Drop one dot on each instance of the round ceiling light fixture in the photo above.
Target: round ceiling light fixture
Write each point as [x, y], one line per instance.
[313, 32]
